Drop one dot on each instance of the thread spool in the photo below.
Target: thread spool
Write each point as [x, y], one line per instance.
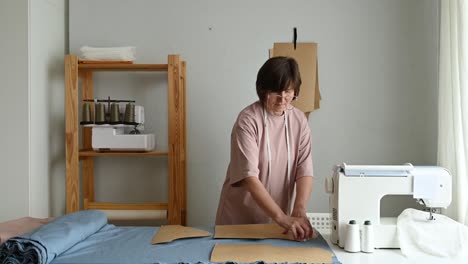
[129, 118]
[367, 239]
[114, 114]
[86, 114]
[352, 239]
[100, 114]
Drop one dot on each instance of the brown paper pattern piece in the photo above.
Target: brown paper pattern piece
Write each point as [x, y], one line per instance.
[168, 233]
[256, 231]
[249, 253]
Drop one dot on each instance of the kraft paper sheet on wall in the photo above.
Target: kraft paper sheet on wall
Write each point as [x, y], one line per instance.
[306, 56]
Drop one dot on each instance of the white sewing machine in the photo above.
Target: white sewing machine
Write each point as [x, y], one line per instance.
[356, 193]
[122, 137]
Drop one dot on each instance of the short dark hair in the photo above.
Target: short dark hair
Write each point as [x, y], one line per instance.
[276, 75]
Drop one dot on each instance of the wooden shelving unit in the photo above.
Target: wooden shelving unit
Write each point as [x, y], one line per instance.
[177, 200]
[91, 153]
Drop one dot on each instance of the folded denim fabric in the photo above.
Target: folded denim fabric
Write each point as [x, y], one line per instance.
[48, 241]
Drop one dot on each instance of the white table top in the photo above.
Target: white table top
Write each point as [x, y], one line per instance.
[381, 256]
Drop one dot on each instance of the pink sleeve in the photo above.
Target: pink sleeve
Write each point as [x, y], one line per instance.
[304, 159]
[244, 151]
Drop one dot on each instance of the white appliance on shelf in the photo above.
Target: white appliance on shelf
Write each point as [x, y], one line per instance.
[123, 137]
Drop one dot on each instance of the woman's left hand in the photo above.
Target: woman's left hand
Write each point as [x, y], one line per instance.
[299, 213]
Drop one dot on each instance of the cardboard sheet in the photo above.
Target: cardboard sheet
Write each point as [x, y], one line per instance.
[306, 56]
[250, 253]
[256, 231]
[168, 233]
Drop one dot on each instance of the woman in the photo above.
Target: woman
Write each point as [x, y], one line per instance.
[270, 153]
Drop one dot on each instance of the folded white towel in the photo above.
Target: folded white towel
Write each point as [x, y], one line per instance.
[108, 54]
[442, 238]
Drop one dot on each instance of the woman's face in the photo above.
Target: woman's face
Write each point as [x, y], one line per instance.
[277, 103]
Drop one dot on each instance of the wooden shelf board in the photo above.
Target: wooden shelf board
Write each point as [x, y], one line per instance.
[122, 67]
[92, 153]
[120, 206]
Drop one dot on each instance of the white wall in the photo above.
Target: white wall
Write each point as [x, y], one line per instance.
[32, 142]
[377, 73]
[14, 95]
[47, 49]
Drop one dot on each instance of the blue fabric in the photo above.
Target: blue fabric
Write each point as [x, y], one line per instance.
[133, 245]
[48, 241]
[85, 237]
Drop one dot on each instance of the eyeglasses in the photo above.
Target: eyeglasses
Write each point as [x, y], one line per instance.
[289, 96]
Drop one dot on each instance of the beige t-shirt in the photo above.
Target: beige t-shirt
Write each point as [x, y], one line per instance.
[249, 157]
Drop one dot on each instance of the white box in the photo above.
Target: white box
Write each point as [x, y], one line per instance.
[113, 139]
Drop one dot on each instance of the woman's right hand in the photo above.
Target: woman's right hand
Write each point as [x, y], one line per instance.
[299, 227]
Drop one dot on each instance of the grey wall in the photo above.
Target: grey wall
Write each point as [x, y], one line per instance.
[14, 92]
[31, 92]
[377, 73]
